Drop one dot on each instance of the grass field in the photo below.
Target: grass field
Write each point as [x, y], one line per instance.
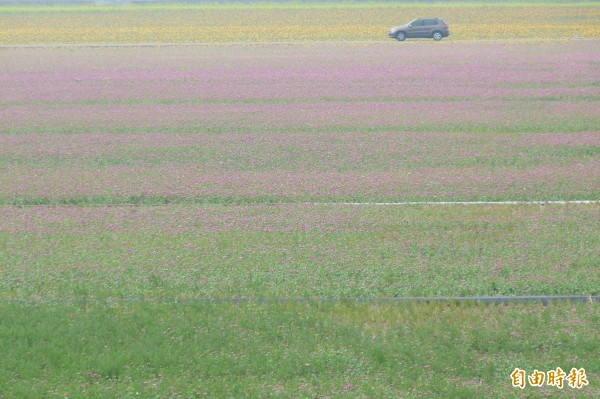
[291, 351]
[137, 184]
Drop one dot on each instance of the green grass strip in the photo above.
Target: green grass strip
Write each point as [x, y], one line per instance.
[291, 350]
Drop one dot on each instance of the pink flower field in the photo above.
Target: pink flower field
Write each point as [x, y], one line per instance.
[300, 123]
[219, 134]
[328, 219]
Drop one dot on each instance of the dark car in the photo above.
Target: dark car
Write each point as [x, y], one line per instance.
[434, 28]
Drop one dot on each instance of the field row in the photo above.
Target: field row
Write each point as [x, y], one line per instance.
[308, 251]
[231, 23]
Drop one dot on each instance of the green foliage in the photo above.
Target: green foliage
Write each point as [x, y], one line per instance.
[154, 350]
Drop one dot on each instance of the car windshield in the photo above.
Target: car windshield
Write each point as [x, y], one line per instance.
[413, 21]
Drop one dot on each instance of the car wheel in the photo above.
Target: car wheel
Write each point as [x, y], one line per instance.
[400, 36]
[437, 35]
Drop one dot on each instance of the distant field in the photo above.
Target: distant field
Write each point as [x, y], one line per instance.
[328, 123]
[290, 22]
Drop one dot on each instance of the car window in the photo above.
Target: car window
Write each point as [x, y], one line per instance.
[430, 22]
[417, 22]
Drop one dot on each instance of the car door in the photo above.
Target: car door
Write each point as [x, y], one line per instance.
[429, 26]
[416, 28]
